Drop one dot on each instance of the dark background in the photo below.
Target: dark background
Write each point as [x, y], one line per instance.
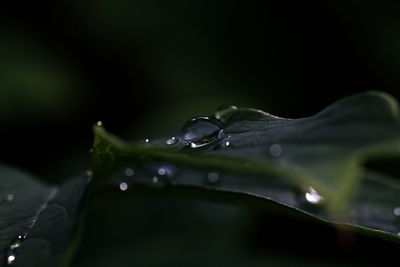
[145, 67]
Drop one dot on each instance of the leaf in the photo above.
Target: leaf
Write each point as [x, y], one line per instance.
[311, 165]
[38, 223]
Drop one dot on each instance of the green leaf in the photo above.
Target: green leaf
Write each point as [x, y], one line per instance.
[38, 223]
[313, 166]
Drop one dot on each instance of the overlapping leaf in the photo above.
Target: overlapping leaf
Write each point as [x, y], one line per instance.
[38, 223]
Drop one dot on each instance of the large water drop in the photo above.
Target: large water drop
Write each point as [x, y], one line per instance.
[201, 131]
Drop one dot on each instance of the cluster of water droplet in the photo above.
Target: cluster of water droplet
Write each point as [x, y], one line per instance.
[159, 175]
[12, 251]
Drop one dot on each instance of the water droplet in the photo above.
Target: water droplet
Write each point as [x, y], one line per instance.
[129, 172]
[99, 123]
[155, 180]
[396, 211]
[10, 259]
[313, 197]
[89, 173]
[9, 198]
[161, 171]
[171, 141]
[227, 143]
[275, 150]
[22, 236]
[123, 186]
[224, 112]
[201, 131]
[213, 177]
[16, 244]
[147, 140]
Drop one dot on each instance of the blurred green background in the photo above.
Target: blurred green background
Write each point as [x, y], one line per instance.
[145, 67]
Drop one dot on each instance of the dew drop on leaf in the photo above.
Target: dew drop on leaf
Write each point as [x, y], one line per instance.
[201, 131]
[123, 186]
[22, 236]
[10, 259]
[313, 197]
[129, 172]
[396, 211]
[161, 171]
[213, 177]
[171, 140]
[147, 140]
[9, 198]
[99, 123]
[15, 244]
[275, 150]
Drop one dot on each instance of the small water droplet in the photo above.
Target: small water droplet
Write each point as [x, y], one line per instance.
[15, 244]
[171, 140]
[129, 172]
[227, 143]
[213, 177]
[313, 197]
[147, 140]
[89, 173]
[9, 198]
[123, 186]
[201, 131]
[224, 111]
[396, 211]
[161, 171]
[99, 123]
[10, 259]
[22, 236]
[155, 180]
[275, 150]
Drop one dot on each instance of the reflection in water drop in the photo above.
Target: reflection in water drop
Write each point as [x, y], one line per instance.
[123, 186]
[10, 259]
[9, 198]
[147, 140]
[275, 150]
[212, 177]
[201, 131]
[223, 112]
[313, 197]
[99, 123]
[396, 211]
[171, 141]
[129, 172]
